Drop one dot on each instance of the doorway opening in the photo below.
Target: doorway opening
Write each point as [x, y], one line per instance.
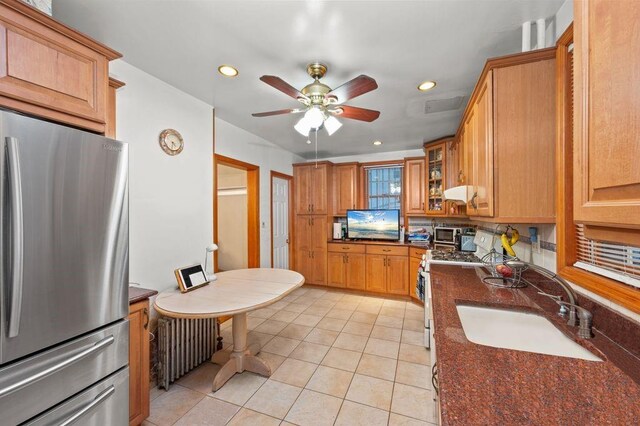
[281, 220]
[237, 214]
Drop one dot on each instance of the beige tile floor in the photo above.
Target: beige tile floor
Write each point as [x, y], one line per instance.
[337, 359]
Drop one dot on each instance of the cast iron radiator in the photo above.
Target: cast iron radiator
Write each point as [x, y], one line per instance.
[183, 344]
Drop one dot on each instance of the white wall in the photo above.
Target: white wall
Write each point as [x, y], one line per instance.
[232, 141]
[170, 198]
[564, 17]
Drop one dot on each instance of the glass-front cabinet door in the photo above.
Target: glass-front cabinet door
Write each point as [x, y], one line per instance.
[436, 178]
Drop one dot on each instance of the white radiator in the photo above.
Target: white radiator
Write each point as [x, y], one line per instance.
[183, 344]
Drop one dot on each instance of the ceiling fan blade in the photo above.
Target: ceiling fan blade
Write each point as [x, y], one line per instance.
[278, 112]
[356, 113]
[283, 86]
[353, 88]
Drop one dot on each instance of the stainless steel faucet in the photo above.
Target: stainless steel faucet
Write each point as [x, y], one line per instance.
[585, 319]
[572, 305]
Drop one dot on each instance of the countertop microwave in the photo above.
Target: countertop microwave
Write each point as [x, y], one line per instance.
[446, 234]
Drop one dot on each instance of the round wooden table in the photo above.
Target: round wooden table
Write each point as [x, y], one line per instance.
[233, 293]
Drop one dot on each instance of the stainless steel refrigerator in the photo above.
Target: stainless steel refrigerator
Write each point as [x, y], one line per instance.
[64, 337]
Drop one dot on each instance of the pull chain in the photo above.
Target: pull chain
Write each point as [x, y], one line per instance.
[316, 133]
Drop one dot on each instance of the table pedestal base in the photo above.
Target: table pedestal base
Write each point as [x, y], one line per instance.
[242, 358]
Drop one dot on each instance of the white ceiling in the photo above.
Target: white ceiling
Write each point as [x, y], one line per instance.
[398, 43]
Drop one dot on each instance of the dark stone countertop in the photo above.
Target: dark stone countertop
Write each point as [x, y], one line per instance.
[485, 385]
[137, 294]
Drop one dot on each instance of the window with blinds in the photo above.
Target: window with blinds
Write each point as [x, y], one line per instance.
[384, 187]
[615, 261]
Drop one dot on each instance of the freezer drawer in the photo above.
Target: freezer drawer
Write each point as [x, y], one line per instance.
[30, 386]
[106, 403]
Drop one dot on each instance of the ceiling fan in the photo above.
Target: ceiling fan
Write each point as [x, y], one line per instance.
[322, 104]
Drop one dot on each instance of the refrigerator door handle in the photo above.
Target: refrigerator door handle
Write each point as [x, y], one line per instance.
[17, 246]
[98, 346]
[99, 399]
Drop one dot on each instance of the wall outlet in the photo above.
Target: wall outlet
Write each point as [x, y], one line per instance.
[536, 247]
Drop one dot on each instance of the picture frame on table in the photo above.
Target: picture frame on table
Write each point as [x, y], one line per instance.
[191, 277]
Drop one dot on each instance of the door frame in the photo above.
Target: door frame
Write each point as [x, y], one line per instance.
[288, 178]
[253, 207]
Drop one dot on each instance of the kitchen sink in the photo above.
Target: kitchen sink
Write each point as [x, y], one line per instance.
[517, 330]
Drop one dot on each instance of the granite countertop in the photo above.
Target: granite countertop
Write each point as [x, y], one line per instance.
[137, 294]
[485, 385]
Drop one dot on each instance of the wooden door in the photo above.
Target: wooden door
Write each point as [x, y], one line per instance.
[303, 264]
[414, 188]
[318, 190]
[606, 104]
[483, 149]
[397, 275]
[336, 269]
[319, 233]
[355, 272]
[375, 272]
[346, 188]
[412, 275]
[302, 184]
[138, 362]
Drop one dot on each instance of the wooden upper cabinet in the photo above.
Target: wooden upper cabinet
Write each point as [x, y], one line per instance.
[508, 140]
[436, 177]
[110, 125]
[483, 150]
[319, 190]
[313, 184]
[345, 188]
[415, 182]
[302, 183]
[469, 135]
[50, 70]
[606, 169]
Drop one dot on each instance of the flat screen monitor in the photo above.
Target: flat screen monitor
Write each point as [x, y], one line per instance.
[373, 224]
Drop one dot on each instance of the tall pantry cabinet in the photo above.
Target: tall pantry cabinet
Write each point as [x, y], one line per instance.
[313, 205]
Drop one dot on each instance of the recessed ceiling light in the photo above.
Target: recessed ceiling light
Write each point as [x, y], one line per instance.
[376, 143]
[227, 70]
[427, 85]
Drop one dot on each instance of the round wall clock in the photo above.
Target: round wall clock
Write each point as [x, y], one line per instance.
[171, 142]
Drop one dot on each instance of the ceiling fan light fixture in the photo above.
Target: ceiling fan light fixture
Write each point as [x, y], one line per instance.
[377, 143]
[228, 70]
[314, 117]
[426, 85]
[303, 127]
[332, 125]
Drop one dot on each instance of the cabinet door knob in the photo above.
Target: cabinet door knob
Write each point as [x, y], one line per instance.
[309, 208]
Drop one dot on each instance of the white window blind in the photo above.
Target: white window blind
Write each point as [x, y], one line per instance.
[615, 261]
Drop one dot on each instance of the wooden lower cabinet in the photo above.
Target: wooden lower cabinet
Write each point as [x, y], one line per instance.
[346, 270]
[397, 272]
[376, 266]
[387, 274]
[138, 362]
[336, 270]
[355, 271]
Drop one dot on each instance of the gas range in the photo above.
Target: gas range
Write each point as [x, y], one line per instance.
[450, 257]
